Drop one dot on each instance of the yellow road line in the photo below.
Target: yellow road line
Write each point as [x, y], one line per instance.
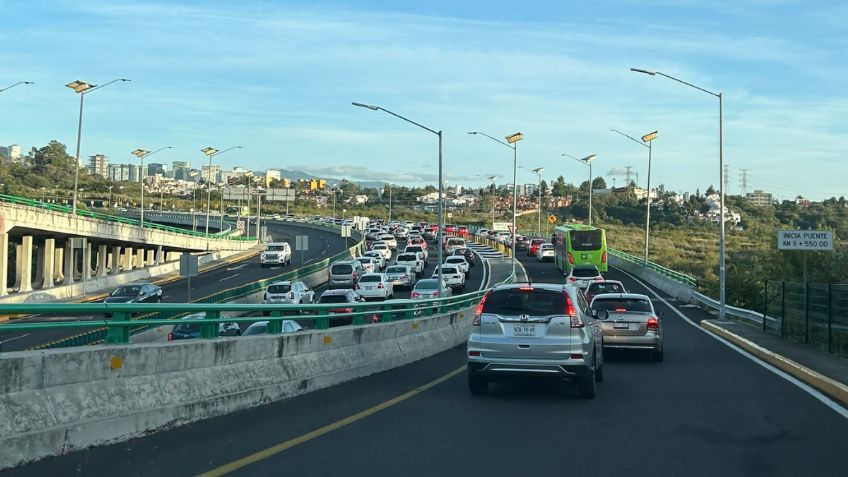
[276, 449]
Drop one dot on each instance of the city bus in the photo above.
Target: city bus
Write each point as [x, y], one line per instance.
[579, 244]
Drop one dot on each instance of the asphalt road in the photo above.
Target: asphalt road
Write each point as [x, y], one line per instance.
[706, 410]
[322, 244]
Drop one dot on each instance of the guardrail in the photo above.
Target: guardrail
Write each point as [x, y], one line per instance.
[224, 235]
[675, 275]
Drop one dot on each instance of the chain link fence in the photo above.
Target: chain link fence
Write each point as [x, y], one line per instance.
[811, 313]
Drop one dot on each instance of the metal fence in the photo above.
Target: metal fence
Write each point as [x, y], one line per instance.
[811, 313]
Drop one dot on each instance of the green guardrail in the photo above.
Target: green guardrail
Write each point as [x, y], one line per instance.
[223, 235]
[675, 275]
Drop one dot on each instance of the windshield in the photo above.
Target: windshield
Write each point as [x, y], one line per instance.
[427, 285]
[598, 288]
[397, 270]
[586, 240]
[127, 291]
[537, 302]
[455, 260]
[622, 304]
[406, 258]
[344, 269]
[276, 248]
[256, 329]
[449, 270]
[370, 279]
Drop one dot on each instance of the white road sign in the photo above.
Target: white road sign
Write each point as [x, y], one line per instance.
[240, 225]
[501, 226]
[301, 242]
[811, 240]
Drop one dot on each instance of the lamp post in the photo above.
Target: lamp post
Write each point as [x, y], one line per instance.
[110, 196]
[141, 154]
[83, 88]
[493, 179]
[42, 193]
[587, 161]
[390, 201]
[647, 138]
[13, 85]
[210, 153]
[721, 264]
[441, 187]
[538, 171]
[512, 143]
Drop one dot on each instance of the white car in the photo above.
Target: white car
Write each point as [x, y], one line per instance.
[288, 292]
[379, 256]
[412, 259]
[452, 276]
[582, 275]
[459, 262]
[261, 327]
[389, 239]
[452, 243]
[422, 249]
[382, 248]
[276, 253]
[375, 285]
[502, 236]
[368, 263]
[545, 252]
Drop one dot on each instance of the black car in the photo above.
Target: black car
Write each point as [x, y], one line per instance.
[466, 252]
[139, 292]
[521, 242]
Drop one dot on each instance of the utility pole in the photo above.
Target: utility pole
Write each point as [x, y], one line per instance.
[743, 183]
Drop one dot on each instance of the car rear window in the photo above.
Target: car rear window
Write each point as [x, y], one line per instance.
[585, 272]
[406, 258]
[427, 285]
[584, 240]
[370, 279]
[256, 329]
[279, 288]
[187, 328]
[537, 302]
[396, 270]
[455, 260]
[341, 269]
[276, 248]
[622, 304]
[415, 248]
[598, 288]
[455, 241]
[449, 270]
[333, 299]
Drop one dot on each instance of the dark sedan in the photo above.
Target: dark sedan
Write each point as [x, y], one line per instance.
[466, 252]
[139, 292]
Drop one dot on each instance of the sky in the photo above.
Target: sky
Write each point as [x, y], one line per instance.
[278, 78]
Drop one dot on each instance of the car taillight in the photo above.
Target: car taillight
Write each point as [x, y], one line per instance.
[291, 295]
[572, 279]
[576, 322]
[653, 324]
[404, 277]
[570, 258]
[357, 286]
[436, 294]
[380, 285]
[170, 337]
[415, 294]
[604, 257]
[599, 278]
[479, 311]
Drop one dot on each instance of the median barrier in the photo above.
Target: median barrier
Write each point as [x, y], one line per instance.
[62, 400]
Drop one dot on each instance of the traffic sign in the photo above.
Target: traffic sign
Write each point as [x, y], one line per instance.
[511, 229]
[497, 226]
[301, 242]
[240, 225]
[810, 240]
[552, 219]
[346, 230]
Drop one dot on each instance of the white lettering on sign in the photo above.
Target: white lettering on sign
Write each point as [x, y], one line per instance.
[813, 240]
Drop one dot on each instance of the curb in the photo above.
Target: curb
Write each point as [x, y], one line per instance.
[826, 385]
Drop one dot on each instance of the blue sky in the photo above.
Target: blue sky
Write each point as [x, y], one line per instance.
[279, 77]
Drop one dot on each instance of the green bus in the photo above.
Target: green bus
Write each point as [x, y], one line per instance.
[579, 244]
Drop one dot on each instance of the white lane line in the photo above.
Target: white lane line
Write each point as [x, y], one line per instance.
[800, 384]
[227, 278]
[15, 338]
[229, 269]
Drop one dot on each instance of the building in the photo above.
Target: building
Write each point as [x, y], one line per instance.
[313, 184]
[98, 165]
[124, 172]
[155, 168]
[213, 173]
[4, 152]
[760, 198]
[180, 169]
[14, 153]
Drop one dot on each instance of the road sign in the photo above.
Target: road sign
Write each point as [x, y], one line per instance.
[450, 215]
[240, 225]
[279, 195]
[236, 193]
[810, 240]
[511, 229]
[346, 230]
[301, 242]
[552, 219]
[188, 265]
[497, 226]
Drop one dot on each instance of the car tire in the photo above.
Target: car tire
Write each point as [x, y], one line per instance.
[477, 385]
[657, 355]
[586, 386]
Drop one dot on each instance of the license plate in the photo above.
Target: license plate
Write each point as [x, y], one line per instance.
[621, 326]
[524, 330]
[369, 288]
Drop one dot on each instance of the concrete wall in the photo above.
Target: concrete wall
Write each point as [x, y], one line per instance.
[58, 401]
[678, 290]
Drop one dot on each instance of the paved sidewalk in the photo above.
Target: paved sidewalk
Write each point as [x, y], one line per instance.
[824, 371]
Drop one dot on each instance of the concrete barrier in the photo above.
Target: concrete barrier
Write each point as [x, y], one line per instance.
[678, 290]
[58, 401]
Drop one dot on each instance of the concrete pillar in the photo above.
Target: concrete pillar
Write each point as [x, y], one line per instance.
[101, 261]
[18, 251]
[4, 263]
[85, 271]
[69, 264]
[48, 251]
[58, 274]
[128, 259]
[115, 260]
[159, 255]
[39, 264]
[139, 258]
[25, 260]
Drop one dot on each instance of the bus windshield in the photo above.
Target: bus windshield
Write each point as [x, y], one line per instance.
[585, 240]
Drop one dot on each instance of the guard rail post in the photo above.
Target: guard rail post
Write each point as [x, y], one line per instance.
[765, 304]
[782, 308]
[118, 333]
[210, 330]
[275, 326]
[322, 322]
[806, 312]
[829, 319]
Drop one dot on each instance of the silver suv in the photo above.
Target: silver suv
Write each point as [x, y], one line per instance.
[538, 330]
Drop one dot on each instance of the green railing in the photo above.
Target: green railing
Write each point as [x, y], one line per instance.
[809, 313]
[223, 235]
[674, 275]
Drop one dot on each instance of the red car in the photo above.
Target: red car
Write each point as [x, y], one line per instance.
[462, 231]
[450, 229]
[533, 247]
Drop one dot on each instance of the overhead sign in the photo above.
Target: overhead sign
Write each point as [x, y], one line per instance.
[552, 219]
[236, 193]
[301, 242]
[188, 265]
[497, 226]
[346, 230]
[279, 195]
[811, 240]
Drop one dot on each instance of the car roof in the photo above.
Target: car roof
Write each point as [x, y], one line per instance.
[607, 281]
[372, 274]
[282, 282]
[536, 286]
[277, 243]
[337, 291]
[634, 296]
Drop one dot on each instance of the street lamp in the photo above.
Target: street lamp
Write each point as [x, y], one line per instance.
[647, 138]
[587, 161]
[538, 171]
[512, 143]
[110, 196]
[83, 88]
[141, 154]
[390, 200]
[12, 86]
[493, 179]
[721, 264]
[439, 134]
[210, 153]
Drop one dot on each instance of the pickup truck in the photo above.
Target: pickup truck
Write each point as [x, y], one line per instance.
[413, 259]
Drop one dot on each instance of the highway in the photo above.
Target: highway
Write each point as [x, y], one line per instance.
[322, 244]
[706, 410]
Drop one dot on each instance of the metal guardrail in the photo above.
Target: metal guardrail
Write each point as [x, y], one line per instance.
[675, 275]
[769, 323]
[223, 235]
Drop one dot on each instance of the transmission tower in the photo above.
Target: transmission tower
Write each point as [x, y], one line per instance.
[743, 182]
[627, 175]
[726, 179]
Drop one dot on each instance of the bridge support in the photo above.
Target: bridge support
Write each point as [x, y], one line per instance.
[85, 270]
[69, 263]
[24, 260]
[47, 253]
[128, 259]
[4, 264]
[115, 260]
[101, 261]
[58, 261]
[139, 258]
[159, 255]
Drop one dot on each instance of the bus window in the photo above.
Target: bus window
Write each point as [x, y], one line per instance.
[586, 240]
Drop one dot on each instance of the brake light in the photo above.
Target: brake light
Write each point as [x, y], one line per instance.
[653, 324]
[576, 356]
[576, 322]
[479, 311]
[436, 294]
[604, 257]
[621, 309]
[415, 294]
[572, 279]
[599, 278]
[380, 285]
[570, 258]
[473, 353]
[357, 286]
[170, 337]
[526, 289]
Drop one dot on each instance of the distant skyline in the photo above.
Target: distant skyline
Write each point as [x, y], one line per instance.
[279, 77]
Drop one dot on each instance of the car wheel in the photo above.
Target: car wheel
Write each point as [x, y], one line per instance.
[586, 386]
[478, 385]
[657, 355]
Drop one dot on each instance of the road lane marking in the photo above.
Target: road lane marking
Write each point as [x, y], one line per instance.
[276, 449]
[229, 277]
[229, 269]
[815, 393]
[15, 338]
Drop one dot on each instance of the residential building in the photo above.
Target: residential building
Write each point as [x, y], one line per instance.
[124, 172]
[14, 153]
[760, 198]
[212, 174]
[98, 165]
[156, 168]
[181, 169]
[802, 201]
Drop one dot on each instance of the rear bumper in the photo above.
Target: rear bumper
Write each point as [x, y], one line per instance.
[648, 341]
[505, 369]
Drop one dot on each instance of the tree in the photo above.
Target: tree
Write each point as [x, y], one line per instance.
[711, 190]
[558, 189]
[599, 183]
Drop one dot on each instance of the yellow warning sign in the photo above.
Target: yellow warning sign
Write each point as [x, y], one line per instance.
[552, 219]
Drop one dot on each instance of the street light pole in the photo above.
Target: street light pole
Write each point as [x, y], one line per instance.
[210, 153]
[721, 263]
[12, 86]
[441, 187]
[82, 88]
[493, 179]
[512, 143]
[538, 172]
[587, 161]
[649, 139]
[141, 154]
[390, 202]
